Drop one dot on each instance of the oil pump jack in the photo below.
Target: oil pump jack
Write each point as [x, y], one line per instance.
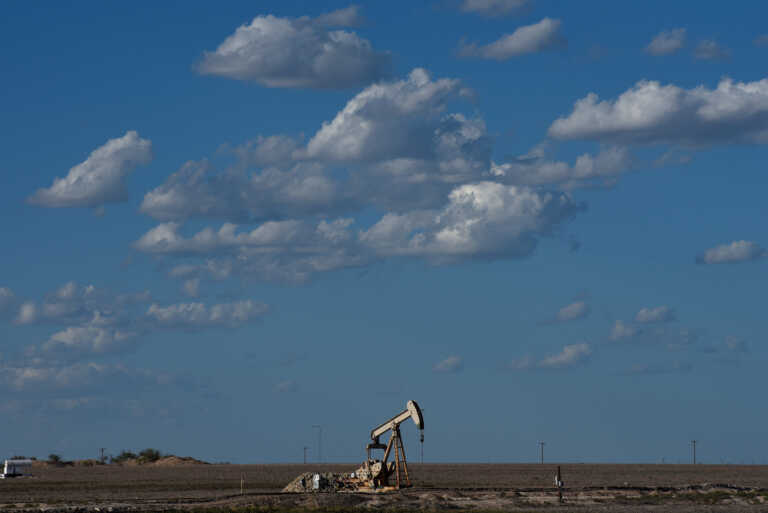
[378, 472]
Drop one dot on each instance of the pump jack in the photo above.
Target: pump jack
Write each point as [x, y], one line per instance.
[378, 472]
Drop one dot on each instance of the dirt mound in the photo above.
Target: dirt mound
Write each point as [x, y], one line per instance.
[174, 461]
[164, 461]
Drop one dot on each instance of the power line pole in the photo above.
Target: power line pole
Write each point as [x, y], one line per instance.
[693, 444]
[101, 454]
[305, 454]
[319, 442]
[541, 446]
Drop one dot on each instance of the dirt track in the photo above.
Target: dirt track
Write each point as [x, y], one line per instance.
[475, 486]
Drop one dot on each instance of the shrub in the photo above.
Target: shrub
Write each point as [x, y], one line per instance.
[149, 455]
[123, 456]
[54, 459]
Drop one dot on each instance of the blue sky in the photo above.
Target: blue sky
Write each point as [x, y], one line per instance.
[541, 220]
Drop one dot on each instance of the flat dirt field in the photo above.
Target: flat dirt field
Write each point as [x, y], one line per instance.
[481, 487]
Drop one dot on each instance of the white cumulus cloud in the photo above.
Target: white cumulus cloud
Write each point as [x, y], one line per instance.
[298, 52]
[651, 113]
[667, 42]
[572, 355]
[622, 330]
[481, 220]
[541, 36]
[736, 251]
[28, 313]
[449, 365]
[709, 49]
[96, 336]
[194, 315]
[398, 142]
[655, 315]
[577, 310]
[536, 168]
[100, 179]
[385, 121]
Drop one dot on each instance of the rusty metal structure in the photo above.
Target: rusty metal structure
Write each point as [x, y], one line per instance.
[377, 473]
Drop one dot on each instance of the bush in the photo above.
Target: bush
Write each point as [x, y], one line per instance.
[149, 455]
[123, 456]
[54, 459]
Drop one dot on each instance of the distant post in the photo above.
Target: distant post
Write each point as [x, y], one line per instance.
[101, 454]
[541, 447]
[305, 454]
[693, 444]
[319, 442]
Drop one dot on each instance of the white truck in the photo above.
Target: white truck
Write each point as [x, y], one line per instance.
[14, 468]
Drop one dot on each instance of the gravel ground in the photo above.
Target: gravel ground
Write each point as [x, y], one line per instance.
[437, 487]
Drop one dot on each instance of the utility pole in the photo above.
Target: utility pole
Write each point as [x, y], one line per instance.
[541, 446]
[305, 454]
[319, 442]
[693, 444]
[101, 454]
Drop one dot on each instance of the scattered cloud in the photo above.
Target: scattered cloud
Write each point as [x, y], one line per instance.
[621, 330]
[736, 344]
[541, 36]
[64, 379]
[537, 168]
[572, 355]
[7, 299]
[402, 152]
[299, 52]
[346, 17]
[94, 322]
[48, 388]
[191, 287]
[736, 251]
[709, 49]
[363, 129]
[197, 190]
[27, 313]
[666, 42]
[398, 146]
[484, 220]
[650, 113]
[761, 41]
[198, 315]
[572, 312]
[73, 303]
[673, 157]
[287, 386]
[449, 365]
[96, 336]
[655, 315]
[100, 179]
[493, 7]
